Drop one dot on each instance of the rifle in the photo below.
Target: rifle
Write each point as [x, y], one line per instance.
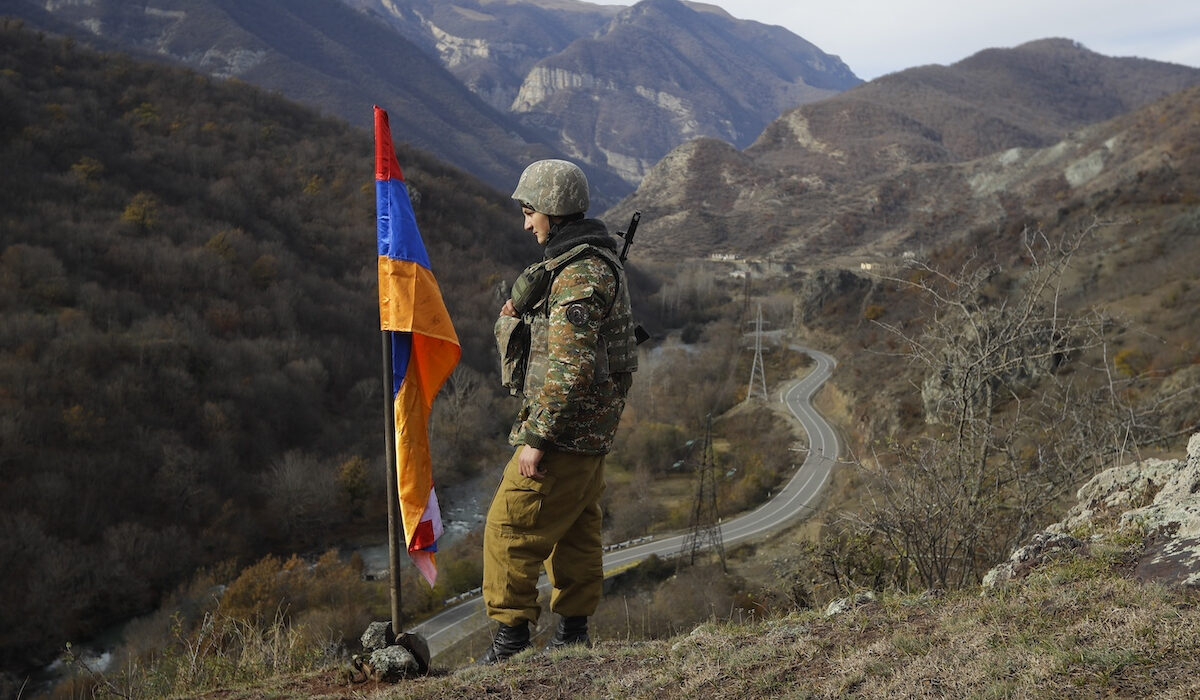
[628, 234]
[639, 333]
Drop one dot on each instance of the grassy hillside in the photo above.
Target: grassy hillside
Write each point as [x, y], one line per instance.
[1077, 629]
[1079, 626]
[188, 357]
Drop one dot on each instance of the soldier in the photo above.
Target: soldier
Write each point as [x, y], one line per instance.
[578, 365]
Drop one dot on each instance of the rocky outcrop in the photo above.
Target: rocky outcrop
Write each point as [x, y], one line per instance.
[843, 605]
[614, 87]
[826, 288]
[1159, 497]
[544, 81]
[1175, 399]
[390, 659]
[1044, 547]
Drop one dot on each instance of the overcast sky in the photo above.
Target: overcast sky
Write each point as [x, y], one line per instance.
[875, 37]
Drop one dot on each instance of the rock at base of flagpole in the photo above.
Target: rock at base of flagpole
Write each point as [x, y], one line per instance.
[392, 658]
[393, 663]
[378, 636]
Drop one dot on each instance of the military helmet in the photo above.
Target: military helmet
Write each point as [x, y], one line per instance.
[553, 187]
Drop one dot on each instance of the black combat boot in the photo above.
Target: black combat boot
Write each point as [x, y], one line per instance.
[508, 641]
[571, 630]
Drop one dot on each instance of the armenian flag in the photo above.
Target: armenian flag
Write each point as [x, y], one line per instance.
[425, 348]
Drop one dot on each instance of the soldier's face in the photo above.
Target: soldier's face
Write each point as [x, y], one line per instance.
[537, 223]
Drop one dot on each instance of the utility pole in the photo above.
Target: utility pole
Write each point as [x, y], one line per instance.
[745, 297]
[706, 523]
[756, 370]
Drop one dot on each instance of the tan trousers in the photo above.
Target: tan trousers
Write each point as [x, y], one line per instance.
[555, 521]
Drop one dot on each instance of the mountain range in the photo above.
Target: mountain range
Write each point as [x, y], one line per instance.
[615, 89]
[489, 86]
[907, 159]
[189, 330]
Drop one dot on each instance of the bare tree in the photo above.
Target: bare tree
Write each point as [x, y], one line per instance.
[463, 384]
[1020, 406]
[298, 489]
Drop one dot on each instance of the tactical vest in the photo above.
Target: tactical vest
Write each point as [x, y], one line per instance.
[524, 344]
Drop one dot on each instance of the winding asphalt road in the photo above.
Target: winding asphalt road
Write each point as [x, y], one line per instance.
[795, 499]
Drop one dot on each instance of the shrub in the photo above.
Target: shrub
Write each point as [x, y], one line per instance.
[1130, 362]
[142, 211]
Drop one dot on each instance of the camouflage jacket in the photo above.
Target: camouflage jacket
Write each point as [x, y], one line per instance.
[582, 351]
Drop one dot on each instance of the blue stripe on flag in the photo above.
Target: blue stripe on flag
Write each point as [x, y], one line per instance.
[398, 235]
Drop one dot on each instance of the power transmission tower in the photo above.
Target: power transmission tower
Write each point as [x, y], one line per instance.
[706, 523]
[756, 370]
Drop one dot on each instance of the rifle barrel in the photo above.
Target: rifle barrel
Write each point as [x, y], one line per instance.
[628, 235]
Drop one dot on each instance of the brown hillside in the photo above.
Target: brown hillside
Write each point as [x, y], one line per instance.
[1134, 181]
[868, 167]
[1028, 96]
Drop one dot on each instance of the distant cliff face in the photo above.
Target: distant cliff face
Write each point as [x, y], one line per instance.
[662, 73]
[618, 88]
[490, 46]
[490, 86]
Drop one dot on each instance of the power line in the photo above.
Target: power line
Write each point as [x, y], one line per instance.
[756, 370]
[706, 522]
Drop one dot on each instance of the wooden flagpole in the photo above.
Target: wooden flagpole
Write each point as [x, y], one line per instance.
[415, 643]
[393, 492]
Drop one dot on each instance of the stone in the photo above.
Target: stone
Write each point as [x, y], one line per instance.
[1115, 490]
[393, 663]
[1172, 524]
[842, 605]
[1043, 547]
[962, 362]
[378, 636]
[1174, 399]
[786, 632]
[825, 287]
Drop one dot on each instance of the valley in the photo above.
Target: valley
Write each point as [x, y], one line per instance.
[187, 290]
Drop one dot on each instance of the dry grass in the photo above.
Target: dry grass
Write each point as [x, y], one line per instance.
[1077, 628]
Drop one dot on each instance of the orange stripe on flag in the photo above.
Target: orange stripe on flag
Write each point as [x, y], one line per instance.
[409, 300]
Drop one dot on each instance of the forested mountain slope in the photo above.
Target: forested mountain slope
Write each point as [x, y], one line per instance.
[323, 54]
[189, 352]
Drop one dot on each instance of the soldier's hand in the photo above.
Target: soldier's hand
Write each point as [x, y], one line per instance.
[528, 461]
[508, 309]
